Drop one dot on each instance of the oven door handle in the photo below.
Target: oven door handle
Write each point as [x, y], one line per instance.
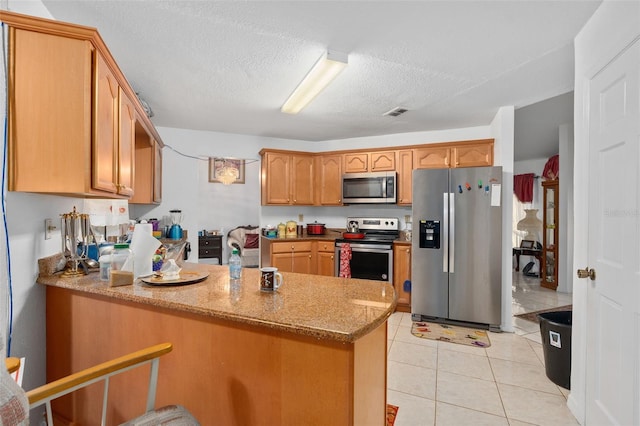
[369, 249]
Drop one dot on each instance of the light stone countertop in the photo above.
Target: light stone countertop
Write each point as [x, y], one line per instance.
[331, 308]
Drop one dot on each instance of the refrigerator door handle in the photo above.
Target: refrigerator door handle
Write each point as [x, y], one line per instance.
[445, 232]
[452, 232]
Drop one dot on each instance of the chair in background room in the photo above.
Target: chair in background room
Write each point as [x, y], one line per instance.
[14, 400]
[247, 240]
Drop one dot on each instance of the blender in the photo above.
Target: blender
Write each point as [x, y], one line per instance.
[175, 232]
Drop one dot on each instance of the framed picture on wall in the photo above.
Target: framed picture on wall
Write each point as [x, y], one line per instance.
[217, 167]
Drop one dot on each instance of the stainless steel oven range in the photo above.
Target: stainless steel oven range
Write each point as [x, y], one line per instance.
[371, 255]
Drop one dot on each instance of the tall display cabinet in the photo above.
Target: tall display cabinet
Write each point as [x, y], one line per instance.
[550, 234]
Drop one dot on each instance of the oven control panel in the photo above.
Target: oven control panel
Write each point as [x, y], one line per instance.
[375, 223]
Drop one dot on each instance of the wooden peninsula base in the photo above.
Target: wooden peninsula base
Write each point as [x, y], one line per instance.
[224, 371]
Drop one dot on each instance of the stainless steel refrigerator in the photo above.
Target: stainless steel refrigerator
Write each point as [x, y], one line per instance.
[456, 272]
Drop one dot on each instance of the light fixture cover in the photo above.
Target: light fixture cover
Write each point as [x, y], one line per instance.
[530, 224]
[323, 72]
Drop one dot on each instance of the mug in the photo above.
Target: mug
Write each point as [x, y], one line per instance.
[270, 279]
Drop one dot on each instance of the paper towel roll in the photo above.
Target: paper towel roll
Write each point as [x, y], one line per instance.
[144, 246]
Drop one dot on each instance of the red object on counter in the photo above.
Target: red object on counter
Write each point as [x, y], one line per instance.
[315, 228]
[353, 235]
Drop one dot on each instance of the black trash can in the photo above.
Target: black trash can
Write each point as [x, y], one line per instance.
[555, 330]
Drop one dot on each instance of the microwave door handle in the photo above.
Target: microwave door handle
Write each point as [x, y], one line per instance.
[384, 187]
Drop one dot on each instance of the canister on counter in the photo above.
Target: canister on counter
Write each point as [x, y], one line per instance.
[290, 229]
[282, 230]
[300, 230]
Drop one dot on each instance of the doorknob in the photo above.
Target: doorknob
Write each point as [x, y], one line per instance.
[587, 273]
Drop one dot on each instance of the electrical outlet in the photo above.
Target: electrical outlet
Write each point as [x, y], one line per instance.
[300, 218]
[48, 228]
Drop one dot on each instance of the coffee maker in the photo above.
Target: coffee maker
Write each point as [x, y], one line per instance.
[175, 232]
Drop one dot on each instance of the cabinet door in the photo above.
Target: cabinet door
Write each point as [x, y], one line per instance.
[276, 177]
[126, 145]
[401, 273]
[405, 168]
[325, 264]
[324, 253]
[282, 261]
[301, 262]
[382, 161]
[157, 172]
[49, 120]
[302, 181]
[329, 180]
[473, 155]
[431, 158]
[105, 141]
[356, 162]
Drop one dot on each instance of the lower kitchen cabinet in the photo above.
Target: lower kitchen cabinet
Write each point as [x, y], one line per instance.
[402, 273]
[292, 256]
[325, 258]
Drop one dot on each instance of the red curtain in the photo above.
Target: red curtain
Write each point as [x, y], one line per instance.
[551, 168]
[523, 187]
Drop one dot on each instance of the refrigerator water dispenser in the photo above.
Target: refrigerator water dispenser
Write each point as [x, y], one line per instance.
[430, 234]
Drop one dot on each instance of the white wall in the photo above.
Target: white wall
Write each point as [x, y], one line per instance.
[565, 214]
[502, 129]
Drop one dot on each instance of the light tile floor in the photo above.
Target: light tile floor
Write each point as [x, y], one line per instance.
[439, 383]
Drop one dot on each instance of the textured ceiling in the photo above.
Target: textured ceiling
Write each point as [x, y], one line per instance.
[228, 66]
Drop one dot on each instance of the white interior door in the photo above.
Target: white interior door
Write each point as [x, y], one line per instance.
[613, 319]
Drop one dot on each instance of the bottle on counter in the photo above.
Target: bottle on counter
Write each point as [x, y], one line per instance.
[235, 265]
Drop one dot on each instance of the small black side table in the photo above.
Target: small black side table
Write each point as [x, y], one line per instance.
[210, 247]
[517, 252]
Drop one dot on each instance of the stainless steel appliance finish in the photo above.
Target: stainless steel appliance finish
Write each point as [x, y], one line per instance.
[371, 256]
[456, 271]
[369, 188]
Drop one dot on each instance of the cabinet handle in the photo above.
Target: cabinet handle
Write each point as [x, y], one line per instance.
[309, 256]
[331, 257]
[407, 250]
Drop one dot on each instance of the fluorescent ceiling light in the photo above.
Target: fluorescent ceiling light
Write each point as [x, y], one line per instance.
[323, 72]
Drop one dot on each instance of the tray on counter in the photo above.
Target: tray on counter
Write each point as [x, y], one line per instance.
[186, 277]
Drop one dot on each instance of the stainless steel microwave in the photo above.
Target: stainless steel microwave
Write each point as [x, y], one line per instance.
[369, 188]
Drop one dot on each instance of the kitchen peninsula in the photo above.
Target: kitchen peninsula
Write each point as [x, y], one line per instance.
[312, 353]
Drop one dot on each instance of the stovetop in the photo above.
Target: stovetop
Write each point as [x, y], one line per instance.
[375, 229]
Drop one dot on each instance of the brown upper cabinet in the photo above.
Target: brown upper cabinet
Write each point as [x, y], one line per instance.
[450, 155]
[113, 140]
[287, 178]
[405, 169]
[329, 180]
[72, 114]
[472, 155]
[148, 166]
[437, 157]
[362, 162]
